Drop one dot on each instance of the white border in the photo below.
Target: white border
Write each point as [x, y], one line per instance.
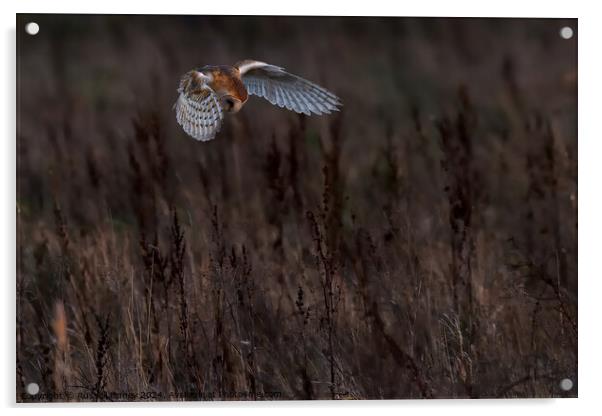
[590, 206]
[507, 8]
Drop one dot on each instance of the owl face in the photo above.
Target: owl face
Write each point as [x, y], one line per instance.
[230, 104]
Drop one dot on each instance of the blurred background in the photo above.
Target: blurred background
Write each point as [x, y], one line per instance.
[420, 243]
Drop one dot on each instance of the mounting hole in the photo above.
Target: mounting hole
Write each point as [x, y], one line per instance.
[566, 384]
[566, 32]
[32, 28]
[32, 388]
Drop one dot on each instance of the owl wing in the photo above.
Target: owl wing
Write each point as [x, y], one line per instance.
[286, 90]
[198, 109]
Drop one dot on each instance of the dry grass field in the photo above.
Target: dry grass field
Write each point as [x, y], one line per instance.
[421, 243]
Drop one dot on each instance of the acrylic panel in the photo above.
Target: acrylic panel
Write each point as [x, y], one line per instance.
[293, 208]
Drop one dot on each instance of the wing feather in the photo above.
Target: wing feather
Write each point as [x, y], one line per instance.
[198, 109]
[306, 106]
[287, 90]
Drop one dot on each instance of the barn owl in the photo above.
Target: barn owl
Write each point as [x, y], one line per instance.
[209, 92]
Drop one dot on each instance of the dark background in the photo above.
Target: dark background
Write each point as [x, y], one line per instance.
[420, 243]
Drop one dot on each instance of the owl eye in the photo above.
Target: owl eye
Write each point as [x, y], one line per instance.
[228, 102]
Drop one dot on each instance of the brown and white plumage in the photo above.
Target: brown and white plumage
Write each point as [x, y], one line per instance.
[206, 93]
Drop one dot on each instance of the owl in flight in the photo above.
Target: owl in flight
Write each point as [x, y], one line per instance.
[206, 93]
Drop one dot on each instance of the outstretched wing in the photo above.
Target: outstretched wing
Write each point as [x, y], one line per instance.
[286, 90]
[198, 110]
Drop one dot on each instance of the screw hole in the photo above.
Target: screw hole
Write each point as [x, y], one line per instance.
[566, 384]
[32, 388]
[32, 28]
[566, 32]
